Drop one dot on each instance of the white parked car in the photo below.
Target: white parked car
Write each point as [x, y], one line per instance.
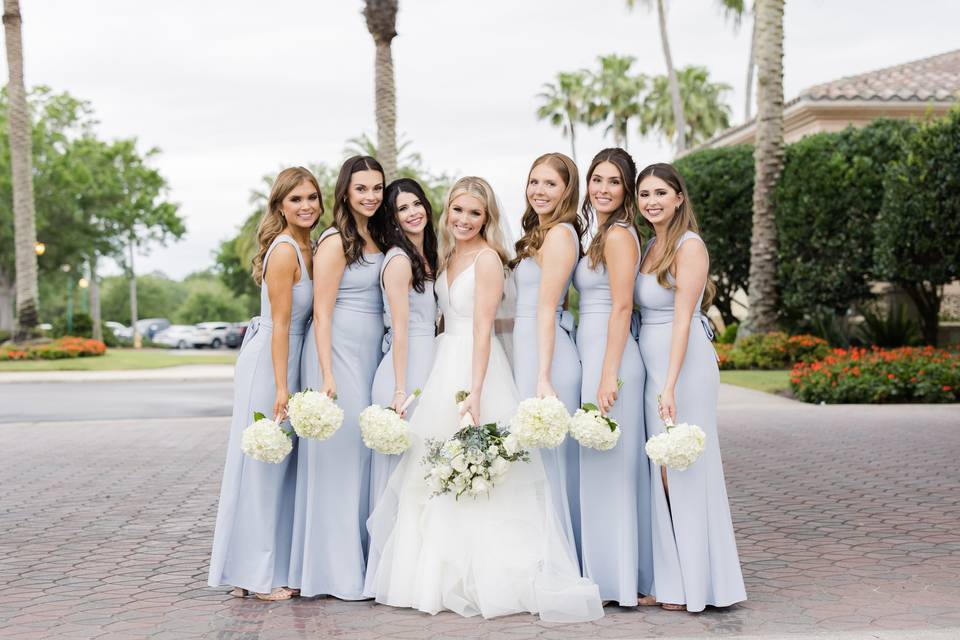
[181, 336]
[119, 329]
[212, 334]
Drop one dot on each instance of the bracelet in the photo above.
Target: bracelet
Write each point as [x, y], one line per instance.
[399, 392]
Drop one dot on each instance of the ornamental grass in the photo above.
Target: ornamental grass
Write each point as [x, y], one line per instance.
[874, 376]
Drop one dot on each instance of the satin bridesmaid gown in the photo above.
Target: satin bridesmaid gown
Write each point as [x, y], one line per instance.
[333, 476]
[695, 556]
[251, 541]
[561, 464]
[421, 341]
[615, 484]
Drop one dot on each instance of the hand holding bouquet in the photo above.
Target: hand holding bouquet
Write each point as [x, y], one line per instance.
[678, 447]
[314, 414]
[383, 430]
[472, 459]
[265, 440]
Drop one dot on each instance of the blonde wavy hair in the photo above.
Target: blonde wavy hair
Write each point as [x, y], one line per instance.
[683, 220]
[534, 231]
[272, 224]
[491, 232]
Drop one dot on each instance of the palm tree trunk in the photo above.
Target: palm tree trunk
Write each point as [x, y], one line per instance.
[95, 315]
[573, 139]
[7, 290]
[678, 118]
[751, 65]
[386, 108]
[135, 335]
[768, 162]
[21, 150]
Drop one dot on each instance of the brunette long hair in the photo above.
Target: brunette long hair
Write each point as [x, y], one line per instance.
[272, 223]
[627, 212]
[566, 212]
[425, 267]
[343, 220]
[683, 220]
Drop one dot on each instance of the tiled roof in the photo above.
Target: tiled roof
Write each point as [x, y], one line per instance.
[931, 79]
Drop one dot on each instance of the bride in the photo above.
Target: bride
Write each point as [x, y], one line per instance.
[494, 555]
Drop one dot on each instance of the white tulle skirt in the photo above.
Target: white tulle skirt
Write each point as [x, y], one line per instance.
[490, 556]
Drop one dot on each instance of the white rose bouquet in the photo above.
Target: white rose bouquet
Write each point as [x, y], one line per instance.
[594, 430]
[472, 459]
[678, 447]
[265, 440]
[383, 430]
[314, 414]
[541, 422]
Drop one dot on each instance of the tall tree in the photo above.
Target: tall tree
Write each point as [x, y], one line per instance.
[21, 165]
[615, 96]
[564, 102]
[768, 160]
[675, 101]
[381, 16]
[751, 66]
[706, 112]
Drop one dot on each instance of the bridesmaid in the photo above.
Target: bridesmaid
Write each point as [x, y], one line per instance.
[695, 553]
[545, 359]
[251, 542]
[615, 484]
[340, 356]
[410, 313]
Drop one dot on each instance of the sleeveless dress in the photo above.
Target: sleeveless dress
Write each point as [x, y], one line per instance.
[615, 484]
[251, 541]
[333, 475]
[421, 332]
[695, 553]
[562, 464]
[490, 556]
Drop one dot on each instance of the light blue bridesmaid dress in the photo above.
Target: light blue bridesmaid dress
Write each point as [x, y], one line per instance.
[333, 475]
[421, 332]
[251, 542]
[694, 550]
[615, 484]
[563, 463]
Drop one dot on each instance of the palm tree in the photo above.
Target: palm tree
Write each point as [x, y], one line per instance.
[381, 18]
[706, 113]
[615, 96]
[563, 103]
[751, 66]
[768, 160]
[21, 150]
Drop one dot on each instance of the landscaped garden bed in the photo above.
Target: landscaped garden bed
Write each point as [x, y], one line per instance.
[65, 347]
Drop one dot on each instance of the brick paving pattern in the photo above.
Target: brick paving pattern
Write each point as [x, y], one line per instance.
[847, 519]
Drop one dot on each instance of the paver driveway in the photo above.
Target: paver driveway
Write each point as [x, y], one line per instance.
[847, 519]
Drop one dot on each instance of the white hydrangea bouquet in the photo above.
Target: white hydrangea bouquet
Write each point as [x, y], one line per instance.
[594, 430]
[540, 422]
[265, 440]
[383, 430]
[678, 447]
[471, 460]
[314, 414]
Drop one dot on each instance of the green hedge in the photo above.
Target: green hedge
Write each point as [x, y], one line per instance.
[775, 350]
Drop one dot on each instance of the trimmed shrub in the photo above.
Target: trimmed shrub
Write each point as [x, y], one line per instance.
[66, 347]
[908, 374]
[775, 350]
[720, 182]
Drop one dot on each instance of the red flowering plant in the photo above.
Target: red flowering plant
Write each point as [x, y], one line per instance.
[857, 375]
[66, 347]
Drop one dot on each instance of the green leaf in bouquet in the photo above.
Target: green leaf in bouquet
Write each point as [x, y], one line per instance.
[461, 396]
[619, 383]
[612, 424]
[589, 406]
[258, 416]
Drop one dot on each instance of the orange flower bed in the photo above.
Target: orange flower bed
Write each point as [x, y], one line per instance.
[857, 375]
[66, 347]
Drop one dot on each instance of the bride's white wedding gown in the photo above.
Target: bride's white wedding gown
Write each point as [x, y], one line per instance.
[494, 555]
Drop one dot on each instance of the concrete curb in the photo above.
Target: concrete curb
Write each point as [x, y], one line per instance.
[171, 374]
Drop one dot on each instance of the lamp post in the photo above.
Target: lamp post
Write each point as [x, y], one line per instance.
[39, 248]
[66, 269]
[83, 283]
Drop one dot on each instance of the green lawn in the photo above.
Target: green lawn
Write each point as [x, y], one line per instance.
[123, 359]
[769, 381]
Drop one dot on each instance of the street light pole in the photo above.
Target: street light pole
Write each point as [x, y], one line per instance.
[66, 269]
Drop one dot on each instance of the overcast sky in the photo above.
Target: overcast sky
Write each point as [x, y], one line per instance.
[233, 90]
